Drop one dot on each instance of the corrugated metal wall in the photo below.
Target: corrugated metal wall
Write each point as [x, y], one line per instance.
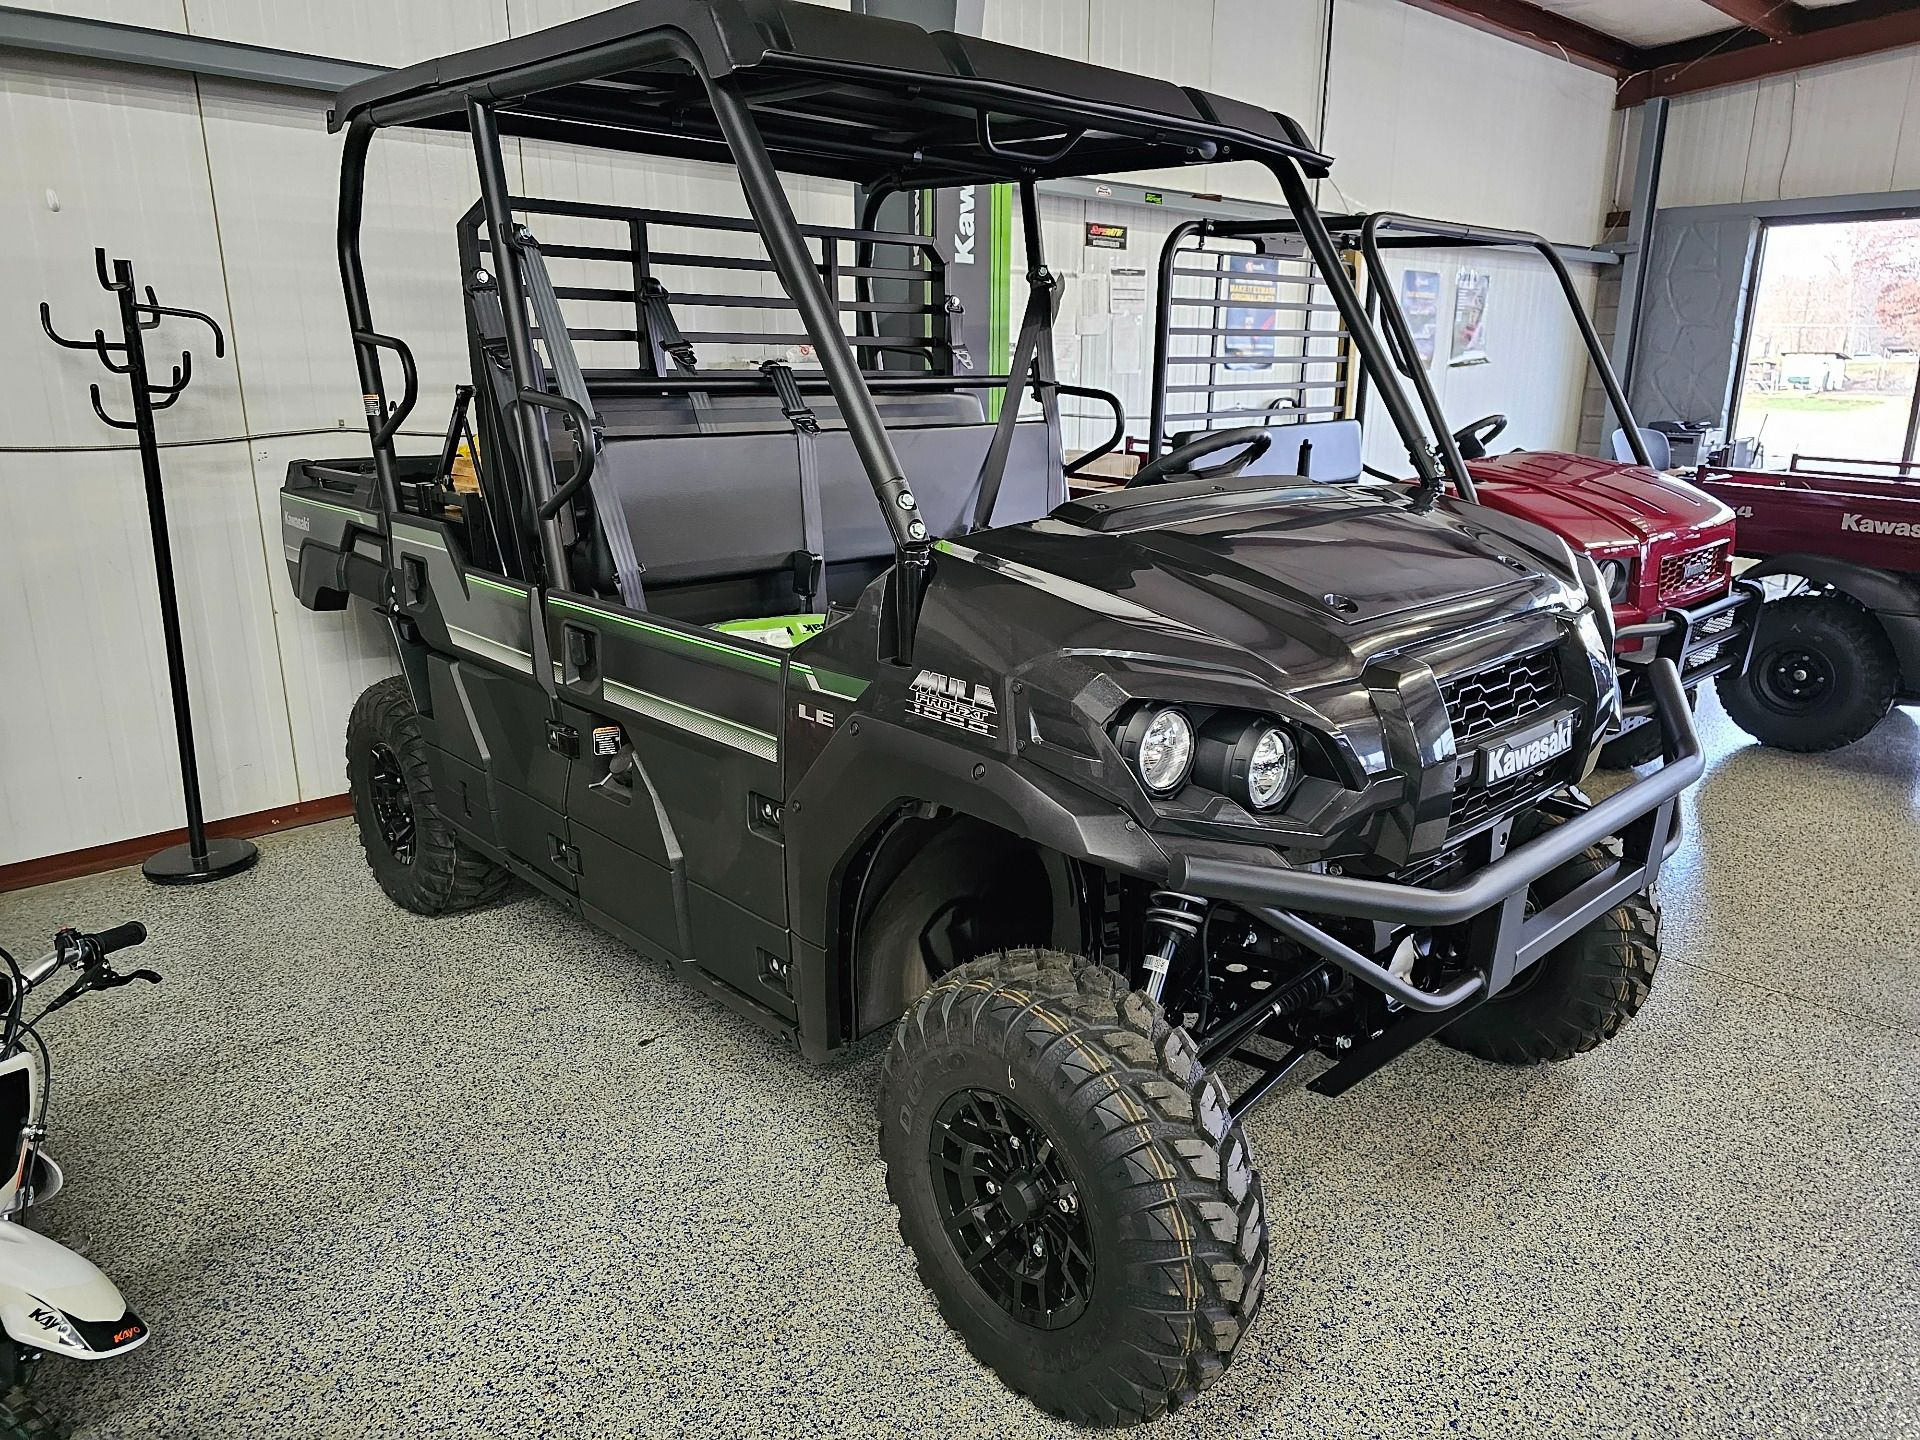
[1847, 129]
[223, 194]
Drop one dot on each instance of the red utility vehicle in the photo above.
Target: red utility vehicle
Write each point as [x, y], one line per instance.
[1243, 296]
[1838, 641]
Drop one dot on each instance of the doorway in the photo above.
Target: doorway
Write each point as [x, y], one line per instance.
[1832, 357]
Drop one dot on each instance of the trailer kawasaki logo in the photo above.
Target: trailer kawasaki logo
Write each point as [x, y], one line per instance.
[965, 230]
[953, 701]
[1867, 525]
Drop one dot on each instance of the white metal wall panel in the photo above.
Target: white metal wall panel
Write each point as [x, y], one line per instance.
[1268, 53]
[379, 32]
[86, 730]
[1055, 27]
[1844, 129]
[152, 14]
[1536, 368]
[1432, 116]
[273, 167]
[119, 154]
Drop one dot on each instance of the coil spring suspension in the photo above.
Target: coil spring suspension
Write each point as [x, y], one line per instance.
[1179, 917]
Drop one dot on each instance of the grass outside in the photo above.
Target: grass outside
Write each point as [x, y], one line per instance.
[1848, 424]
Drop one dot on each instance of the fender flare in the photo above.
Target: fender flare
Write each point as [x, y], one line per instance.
[54, 1300]
[861, 780]
[1892, 599]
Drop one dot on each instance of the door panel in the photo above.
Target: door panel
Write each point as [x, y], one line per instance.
[686, 850]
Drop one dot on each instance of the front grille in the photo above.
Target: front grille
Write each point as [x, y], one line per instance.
[1490, 699]
[1689, 571]
[1473, 807]
[1718, 625]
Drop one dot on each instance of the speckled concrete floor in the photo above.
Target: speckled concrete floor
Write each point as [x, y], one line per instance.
[369, 1175]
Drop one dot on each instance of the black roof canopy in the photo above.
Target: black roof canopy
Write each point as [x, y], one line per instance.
[854, 97]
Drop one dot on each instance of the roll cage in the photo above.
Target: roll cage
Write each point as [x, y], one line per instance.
[1368, 236]
[770, 86]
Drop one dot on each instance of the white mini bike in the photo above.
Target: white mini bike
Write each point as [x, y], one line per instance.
[52, 1302]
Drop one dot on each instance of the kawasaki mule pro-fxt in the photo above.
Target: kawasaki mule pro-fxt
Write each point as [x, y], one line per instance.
[815, 683]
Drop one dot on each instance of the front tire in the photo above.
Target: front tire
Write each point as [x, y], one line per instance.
[21, 1418]
[415, 855]
[1640, 745]
[1112, 1277]
[1822, 675]
[1578, 995]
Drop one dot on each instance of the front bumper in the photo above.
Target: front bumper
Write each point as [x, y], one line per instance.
[1710, 639]
[1502, 937]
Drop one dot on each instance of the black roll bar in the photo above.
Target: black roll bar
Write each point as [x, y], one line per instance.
[366, 355]
[1417, 233]
[1365, 339]
[529, 376]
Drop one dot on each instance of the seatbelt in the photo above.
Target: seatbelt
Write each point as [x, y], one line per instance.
[607, 510]
[810, 569]
[664, 330]
[993, 469]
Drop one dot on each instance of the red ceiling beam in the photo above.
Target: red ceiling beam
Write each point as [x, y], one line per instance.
[1775, 19]
[1543, 30]
[1819, 42]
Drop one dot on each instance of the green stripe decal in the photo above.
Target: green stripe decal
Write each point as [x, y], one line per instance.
[999, 248]
[672, 637]
[518, 592]
[346, 510]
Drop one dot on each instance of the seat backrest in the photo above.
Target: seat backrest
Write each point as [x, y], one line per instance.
[726, 501]
[1659, 448]
[1331, 450]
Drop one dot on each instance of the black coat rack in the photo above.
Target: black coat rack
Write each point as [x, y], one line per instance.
[199, 859]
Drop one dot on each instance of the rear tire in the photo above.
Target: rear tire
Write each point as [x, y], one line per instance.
[1151, 1240]
[413, 852]
[1574, 997]
[1822, 675]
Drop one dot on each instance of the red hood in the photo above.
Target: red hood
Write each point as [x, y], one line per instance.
[1594, 504]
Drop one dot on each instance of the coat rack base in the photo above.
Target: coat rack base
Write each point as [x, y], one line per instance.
[175, 865]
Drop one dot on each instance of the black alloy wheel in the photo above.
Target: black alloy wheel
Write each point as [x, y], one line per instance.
[392, 804]
[1011, 1208]
[1792, 679]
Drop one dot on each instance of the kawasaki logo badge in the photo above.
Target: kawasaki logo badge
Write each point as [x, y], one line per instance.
[1867, 525]
[964, 231]
[956, 702]
[1531, 747]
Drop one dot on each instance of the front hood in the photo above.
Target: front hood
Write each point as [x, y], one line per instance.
[1302, 576]
[1595, 504]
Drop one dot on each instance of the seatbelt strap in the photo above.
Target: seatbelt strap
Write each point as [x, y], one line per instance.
[810, 569]
[993, 469]
[664, 331]
[572, 383]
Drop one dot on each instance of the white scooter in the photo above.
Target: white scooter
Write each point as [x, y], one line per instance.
[52, 1302]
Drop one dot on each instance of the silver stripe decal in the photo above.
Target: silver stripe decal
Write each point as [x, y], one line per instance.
[756, 743]
[1084, 596]
[491, 649]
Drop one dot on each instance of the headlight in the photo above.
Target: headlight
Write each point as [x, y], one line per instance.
[1254, 763]
[1160, 745]
[1614, 575]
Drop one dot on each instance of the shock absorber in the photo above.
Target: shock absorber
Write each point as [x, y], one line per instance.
[1177, 916]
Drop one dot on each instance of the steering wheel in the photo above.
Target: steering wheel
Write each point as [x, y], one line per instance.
[1473, 439]
[1179, 461]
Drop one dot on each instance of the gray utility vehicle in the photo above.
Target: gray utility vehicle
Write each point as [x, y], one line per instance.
[814, 683]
